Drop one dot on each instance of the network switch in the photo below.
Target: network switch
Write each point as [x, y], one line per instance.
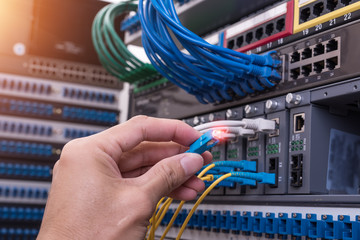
[59, 70]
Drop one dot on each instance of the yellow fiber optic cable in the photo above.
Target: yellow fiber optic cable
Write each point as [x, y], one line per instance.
[152, 221]
[201, 198]
[202, 173]
[176, 213]
[172, 219]
[164, 209]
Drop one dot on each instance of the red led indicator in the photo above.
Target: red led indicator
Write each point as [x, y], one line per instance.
[218, 134]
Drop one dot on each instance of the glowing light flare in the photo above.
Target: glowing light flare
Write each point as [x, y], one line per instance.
[219, 134]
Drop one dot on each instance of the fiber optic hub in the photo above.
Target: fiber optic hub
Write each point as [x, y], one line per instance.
[44, 130]
[13, 169]
[57, 111]
[19, 191]
[32, 88]
[30, 149]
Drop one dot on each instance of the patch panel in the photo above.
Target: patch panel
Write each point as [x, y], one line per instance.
[233, 222]
[67, 71]
[308, 14]
[70, 93]
[263, 28]
[21, 191]
[30, 150]
[19, 233]
[58, 70]
[56, 111]
[315, 59]
[46, 131]
[25, 171]
[20, 213]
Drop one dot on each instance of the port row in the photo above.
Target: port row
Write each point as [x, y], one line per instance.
[316, 50]
[261, 32]
[320, 8]
[314, 68]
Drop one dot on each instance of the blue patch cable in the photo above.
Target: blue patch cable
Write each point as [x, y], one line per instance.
[210, 71]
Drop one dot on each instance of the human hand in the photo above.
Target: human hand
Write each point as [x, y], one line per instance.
[106, 186]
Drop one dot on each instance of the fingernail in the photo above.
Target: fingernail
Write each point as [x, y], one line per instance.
[191, 163]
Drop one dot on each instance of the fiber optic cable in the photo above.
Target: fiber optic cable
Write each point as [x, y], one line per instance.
[201, 198]
[163, 211]
[152, 225]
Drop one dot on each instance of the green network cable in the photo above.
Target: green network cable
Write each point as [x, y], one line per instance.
[113, 53]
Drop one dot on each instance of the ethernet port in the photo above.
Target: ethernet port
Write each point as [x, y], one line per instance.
[269, 29]
[319, 49]
[276, 132]
[297, 162]
[295, 57]
[259, 33]
[249, 37]
[332, 45]
[231, 44]
[331, 63]
[331, 4]
[346, 2]
[294, 73]
[240, 41]
[280, 24]
[299, 123]
[307, 53]
[318, 9]
[305, 14]
[319, 66]
[306, 70]
[296, 179]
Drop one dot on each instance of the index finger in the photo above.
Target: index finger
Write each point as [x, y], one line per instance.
[141, 128]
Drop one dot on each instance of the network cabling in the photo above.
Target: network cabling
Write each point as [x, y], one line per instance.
[221, 173]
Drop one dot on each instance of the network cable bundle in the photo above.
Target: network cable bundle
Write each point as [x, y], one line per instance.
[45, 101]
[281, 83]
[211, 73]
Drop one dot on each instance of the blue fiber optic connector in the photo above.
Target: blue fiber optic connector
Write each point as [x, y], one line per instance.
[204, 143]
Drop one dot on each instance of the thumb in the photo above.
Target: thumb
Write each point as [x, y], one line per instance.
[168, 174]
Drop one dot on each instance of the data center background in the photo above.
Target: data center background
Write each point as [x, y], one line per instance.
[54, 89]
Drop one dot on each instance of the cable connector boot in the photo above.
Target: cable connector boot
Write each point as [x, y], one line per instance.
[204, 143]
[260, 125]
